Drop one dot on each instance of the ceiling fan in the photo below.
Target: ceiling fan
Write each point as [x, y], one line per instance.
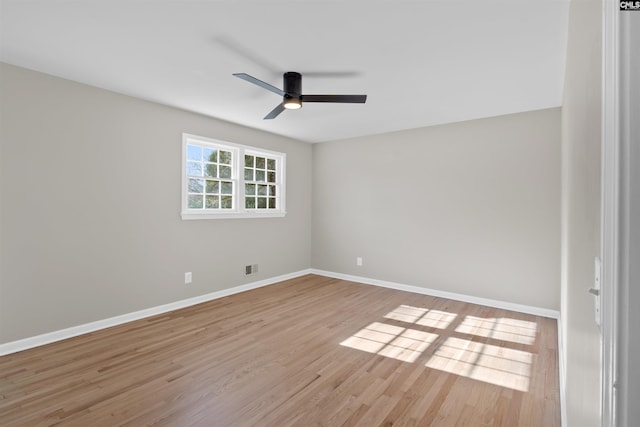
[292, 97]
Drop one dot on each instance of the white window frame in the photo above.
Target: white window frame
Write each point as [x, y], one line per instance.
[238, 210]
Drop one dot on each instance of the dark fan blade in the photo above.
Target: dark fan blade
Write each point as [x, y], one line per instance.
[260, 83]
[348, 99]
[274, 113]
[330, 74]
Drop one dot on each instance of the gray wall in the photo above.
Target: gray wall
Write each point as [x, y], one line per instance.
[90, 218]
[581, 127]
[471, 208]
[90, 191]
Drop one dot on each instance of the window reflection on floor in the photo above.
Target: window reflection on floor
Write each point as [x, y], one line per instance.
[505, 329]
[492, 359]
[484, 362]
[422, 316]
[391, 341]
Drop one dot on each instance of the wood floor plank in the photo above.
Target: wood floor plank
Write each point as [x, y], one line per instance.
[303, 352]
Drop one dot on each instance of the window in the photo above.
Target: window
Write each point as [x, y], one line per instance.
[225, 180]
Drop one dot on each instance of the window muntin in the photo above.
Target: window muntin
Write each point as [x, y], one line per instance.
[226, 180]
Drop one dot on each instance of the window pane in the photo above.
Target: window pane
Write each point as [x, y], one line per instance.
[272, 190]
[271, 176]
[260, 163]
[196, 185]
[226, 202]
[262, 202]
[194, 168]
[262, 190]
[227, 187]
[194, 152]
[272, 202]
[250, 189]
[195, 201]
[225, 157]
[248, 174]
[211, 170]
[211, 155]
[271, 164]
[212, 202]
[213, 187]
[248, 161]
[225, 172]
[260, 176]
[250, 202]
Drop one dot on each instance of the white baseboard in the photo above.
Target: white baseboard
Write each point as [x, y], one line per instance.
[36, 341]
[537, 311]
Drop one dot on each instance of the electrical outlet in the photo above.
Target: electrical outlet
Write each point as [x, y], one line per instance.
[359, 261]
[188, 278]
[254, 268]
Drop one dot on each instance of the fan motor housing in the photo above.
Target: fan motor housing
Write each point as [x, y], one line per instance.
[292, 83]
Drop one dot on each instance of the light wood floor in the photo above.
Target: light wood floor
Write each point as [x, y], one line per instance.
[308, 351]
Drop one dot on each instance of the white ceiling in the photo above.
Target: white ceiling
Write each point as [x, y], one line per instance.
[421, 63]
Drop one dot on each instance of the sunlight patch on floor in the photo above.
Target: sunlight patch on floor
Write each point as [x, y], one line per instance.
[422, 316]
[391, 341]
[503, 328]
[461, 354]
[501, 366]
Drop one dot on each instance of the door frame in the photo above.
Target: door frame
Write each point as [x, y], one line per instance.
[610, 211]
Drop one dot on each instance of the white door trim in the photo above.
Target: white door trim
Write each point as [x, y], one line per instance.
[609, 205]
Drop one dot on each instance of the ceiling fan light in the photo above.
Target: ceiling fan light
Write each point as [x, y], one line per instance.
[292, 104]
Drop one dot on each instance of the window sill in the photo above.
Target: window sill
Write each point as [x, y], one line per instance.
[231, 215]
